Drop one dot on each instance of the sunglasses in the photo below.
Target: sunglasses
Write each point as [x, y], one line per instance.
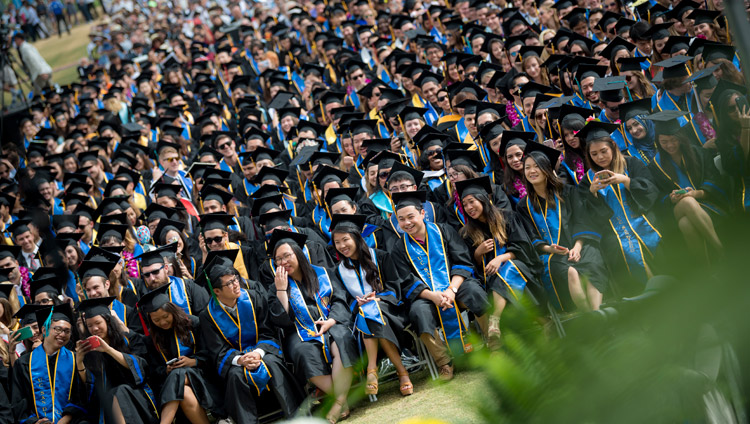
[152, 273]
[384, 174]
[170, 160]
[212, 240]
[435, 153]
[442, 98]
[356, 77]
[224, 146]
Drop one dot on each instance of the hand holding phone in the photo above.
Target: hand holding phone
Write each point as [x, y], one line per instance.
[172, 361]
[93, 342]
[25, 333]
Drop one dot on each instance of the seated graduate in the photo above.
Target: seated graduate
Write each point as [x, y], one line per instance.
[168, 232]
[556, 222]
[94, 275]
[402, 178]
[186, 294]
[236, 330]
[177, 358]
[689, 184]
[311, 300]
[342, 201]
[214, 236]
[621, 195]
[511, 155]
[268, 199]
[26, 317]
[500, 247]
[445, 279]
[325, 178]
[115, 365]
[46, 383]
[373, 287]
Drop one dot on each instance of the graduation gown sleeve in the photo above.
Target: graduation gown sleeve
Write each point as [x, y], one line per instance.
[198, 296]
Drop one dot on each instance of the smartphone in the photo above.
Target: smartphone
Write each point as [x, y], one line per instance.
[741, 103]
[682, 191]
[93, 341]
[25, 333]
[602, 176]
[172, 361]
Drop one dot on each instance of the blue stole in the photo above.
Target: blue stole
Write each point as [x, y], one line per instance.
[683, 181]
[645, 65]
[243, 337]
[70, 287]
[547, 225]
[429, 216]
[357, 286]
[178, 294]
[431, 264]
[617, 136]
[359, 166]
[289, 205]
[298, 81]
[224, 166]
[461, 130]
[667, 102]
[303, 321]
[368, 233]
[382, 202]
[119, 309]
[459, 214]
[51, 394]
[634, 233]
[354, 99]
[322, 220]
[438, 36]
[85, 247]
[571, 172]
[182, 350]
[578, 101]
[250, 188]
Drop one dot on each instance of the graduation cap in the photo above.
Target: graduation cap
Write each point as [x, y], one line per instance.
[658, 31]
[587, 71]
[470, 158]
[221, 257]
[360, 126]
[491, 131]
[270, 173]
[215, 221]
[595, 130]
[577, 39]
[531, 89]
[336, 195]
[279, 237]
[259, 154]
[676, 43]
[632, 109]
[155, 299]
[616, 45]
[712, 52]
[607, 19]
[515, 138]
[666, 122]
[326, 174]
[630, 63]
[466, 86]
[210, 192]
[27, 313]
[610, 88]
[6, 290]
[48, 283]
[95, 307]
[111, 230]
[156, 256]
[400, 172]
[109, 205]
[474, 186]
[367, 90]
[428, 76]
[410, 113]
[347, 222]
[675, 67]
[97, 268]
[384, 159]
[46, 315]
[703, 16]
[704, 79]
[19, 227]
[156, 211]
[723, 87]
[551, 154]
[409, 198]
[166, 189]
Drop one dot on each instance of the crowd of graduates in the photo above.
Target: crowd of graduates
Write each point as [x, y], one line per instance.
[250, 204]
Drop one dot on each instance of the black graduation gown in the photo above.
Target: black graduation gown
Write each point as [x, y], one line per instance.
[111, 380]
[240, 398]
[171, 386]
[422, 312]
[574, 225]
[308, 357]
[641, 198]
[390, 305]
[6, 410]
[23, 394]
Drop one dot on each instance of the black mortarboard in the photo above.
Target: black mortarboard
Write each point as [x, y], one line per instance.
[704, 79]
[595, 130]
[344, 222]
[215, 221]
[616, 45]
[156, 256]
[95, 307]
[111, 230]
[551, 154]
[48, 283]
[658, 31]
[610, 88]
[19, 227]
[675, 67]
[10, 251]
[161, 230]
[409, 198]
[474, 186]
[62, 312]
[632, 109]
[666, 122]
[279, 237]
[95, 269]
[363, 125]
[469, 158]
[210, 192]
[155, 299]
[400, 172]
[676, 43]
[713, 52]
[515, 138]
[27, 313]
[703, 16]
[630, 63]
[325, 174]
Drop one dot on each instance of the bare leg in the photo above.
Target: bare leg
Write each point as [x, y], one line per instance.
[371, 347]
[499, 304]
[169, 411]
[117, 412]
[342, 377]
[192, 409]
[393, 354]
[323, 382]
[694, 242]
[576, 290]
[595, 297]
[700, 220]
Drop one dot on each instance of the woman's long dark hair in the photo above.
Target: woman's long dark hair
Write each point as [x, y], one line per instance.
[309, 281]
[364, 261]
[572, 123]
[116, 340]
[509, 173]
[181, 327]
[554, 185]
[692, 164]
[494, 219]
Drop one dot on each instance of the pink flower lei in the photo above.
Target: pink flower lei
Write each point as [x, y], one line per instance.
[25, 277]
[519, 186]
[130, 265]
[512, 114]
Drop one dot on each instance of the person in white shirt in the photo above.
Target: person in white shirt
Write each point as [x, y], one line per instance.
[39, 69]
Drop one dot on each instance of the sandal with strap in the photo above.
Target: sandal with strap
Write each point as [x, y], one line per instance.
[371, 388]
[334, 416]
[406, 387]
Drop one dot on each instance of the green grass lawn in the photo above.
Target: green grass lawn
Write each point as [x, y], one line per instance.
[452, 402]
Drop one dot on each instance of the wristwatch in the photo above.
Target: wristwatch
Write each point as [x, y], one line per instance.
[455, 290]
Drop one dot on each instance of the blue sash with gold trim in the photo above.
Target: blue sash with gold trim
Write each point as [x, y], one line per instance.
[429, 216]
[119, 309]
[358, 287]
[303, 321]
[178, 294]
[547, 225]
[242, 335]
[51, 395]
[432, 266]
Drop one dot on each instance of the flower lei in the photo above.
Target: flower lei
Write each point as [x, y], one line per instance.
[510, 110]
[580, 171]
[458, 203]
[519, 186]
[25, 277]
[705, 125]
[130, 264]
